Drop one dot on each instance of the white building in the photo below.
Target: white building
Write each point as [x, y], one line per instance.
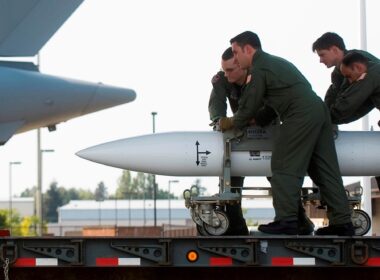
[22, 205]
[80, 213]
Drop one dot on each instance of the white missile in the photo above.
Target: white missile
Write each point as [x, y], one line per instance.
[201, 154]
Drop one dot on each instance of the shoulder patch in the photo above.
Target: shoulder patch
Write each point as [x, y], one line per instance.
[249, 78]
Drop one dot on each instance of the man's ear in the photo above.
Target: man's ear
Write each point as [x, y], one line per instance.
[245, 49]
[249, 49]
[335, 50]
[360, 67]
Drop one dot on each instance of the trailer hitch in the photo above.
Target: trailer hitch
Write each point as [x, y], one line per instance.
[8, 252]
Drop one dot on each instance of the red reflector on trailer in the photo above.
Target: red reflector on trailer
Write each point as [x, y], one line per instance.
[36, 262]
[107, 261]
[220, 261]
[282, 261]
[118, 261]
[5, 232]
[373, 262]
[25, 262]
[286, 261]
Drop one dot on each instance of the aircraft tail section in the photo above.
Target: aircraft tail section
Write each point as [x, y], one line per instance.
[20, 65]
[30, 24]
[8, 129]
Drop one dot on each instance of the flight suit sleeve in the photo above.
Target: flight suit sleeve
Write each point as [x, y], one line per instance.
[352, 102]
[251, 99]
[363, 110]
[265, 116]
[338, 84]
[217, 105]
[330, 96]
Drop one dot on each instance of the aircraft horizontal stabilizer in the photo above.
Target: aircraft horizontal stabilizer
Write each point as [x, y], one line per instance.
[20, 65]
[25, 26]
[8, 129]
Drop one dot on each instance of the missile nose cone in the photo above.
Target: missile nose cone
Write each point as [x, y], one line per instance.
[169, 153]
[87, 154]
[105, 153]
[109, 96]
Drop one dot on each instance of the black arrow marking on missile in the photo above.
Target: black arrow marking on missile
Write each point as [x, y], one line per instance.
[198, 152]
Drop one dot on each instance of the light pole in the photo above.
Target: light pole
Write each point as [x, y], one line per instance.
[366, 198]
[39, 182]
[11, 163]
[170, 211]
[115, 212]
[99, 213]
[144, 203]
[154, 176]
[129, 210]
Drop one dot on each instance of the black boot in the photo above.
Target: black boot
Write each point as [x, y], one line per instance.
[280, 227]
[305, 225]
[238, 225]
[237, 221]
[341, 230]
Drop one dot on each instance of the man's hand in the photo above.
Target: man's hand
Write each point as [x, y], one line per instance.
[225, 123]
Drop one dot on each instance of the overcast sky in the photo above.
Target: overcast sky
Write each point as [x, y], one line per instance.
[168, 51]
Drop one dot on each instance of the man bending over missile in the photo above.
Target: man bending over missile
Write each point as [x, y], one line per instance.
[303, 141]
[363, 77]
[331, 49]
[227, 84]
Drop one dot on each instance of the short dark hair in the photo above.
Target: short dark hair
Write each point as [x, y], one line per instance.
[247, 38]
[227, 54]
[354, 57]
[328, 40]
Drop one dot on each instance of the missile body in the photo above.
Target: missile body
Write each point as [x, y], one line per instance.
[202, 153]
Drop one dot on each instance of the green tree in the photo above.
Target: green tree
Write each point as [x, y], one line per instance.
[28, 226]
[85, 194]
[4, 215]
[29, 192]
[197, 183]
[53, 198]
[149, 186]
[101, 192]
[164, 194]
[70, 194]
[139, 186]
[124, 185]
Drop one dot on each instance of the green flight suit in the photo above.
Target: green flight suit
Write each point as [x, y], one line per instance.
[348, 101]
[303, 141]
[339, 84]
[222, 90]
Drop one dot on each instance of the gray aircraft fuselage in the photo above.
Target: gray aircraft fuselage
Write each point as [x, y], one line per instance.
[29, 100]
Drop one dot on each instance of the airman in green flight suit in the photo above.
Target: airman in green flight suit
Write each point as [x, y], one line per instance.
[331, 49]
[227, 85]
[303, 142]
[363, 77]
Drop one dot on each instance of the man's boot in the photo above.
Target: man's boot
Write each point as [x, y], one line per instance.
[305, 225]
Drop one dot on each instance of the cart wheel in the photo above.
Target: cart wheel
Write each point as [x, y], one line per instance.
[361, 221]
[201, 231]
[222, 228]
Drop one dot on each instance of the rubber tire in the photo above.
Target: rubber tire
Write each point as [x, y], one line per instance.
[222, 228]
[365, 220]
